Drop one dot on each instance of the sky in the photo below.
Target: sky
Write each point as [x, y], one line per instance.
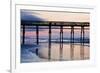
[54, 16]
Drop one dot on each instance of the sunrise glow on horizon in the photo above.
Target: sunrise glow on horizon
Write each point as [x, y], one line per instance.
[54, 16]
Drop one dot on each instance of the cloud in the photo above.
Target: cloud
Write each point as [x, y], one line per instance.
[28, 15]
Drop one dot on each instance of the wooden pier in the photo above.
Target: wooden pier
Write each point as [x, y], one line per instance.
[49, 24]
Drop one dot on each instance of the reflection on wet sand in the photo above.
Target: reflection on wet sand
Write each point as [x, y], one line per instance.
[66, 52]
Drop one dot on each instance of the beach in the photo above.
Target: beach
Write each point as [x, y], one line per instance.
[29, 54]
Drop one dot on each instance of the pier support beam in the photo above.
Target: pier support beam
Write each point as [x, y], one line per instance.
[61, 42]
[82, 43]
[23, 41]
[72, 43]
[37, 38]
[49, 44]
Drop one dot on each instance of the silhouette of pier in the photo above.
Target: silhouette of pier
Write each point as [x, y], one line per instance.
[49, 24]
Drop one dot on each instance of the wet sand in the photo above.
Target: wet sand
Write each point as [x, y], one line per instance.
[66, 53]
